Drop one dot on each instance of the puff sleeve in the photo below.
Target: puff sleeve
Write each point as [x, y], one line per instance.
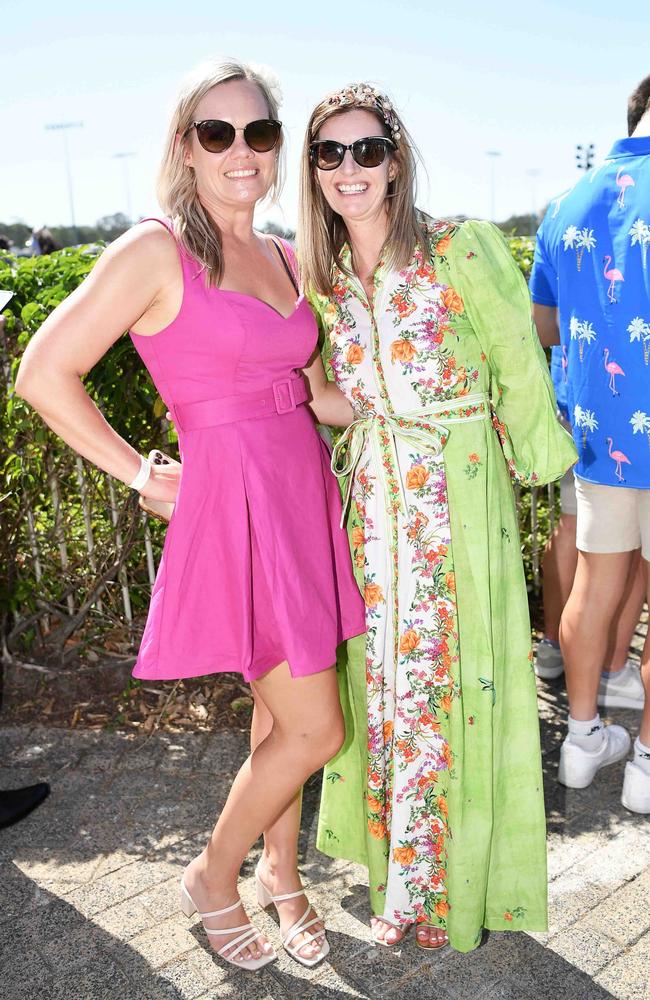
[497, 302]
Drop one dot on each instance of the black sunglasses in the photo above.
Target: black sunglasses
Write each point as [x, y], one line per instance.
[326, 154]
[217, 136]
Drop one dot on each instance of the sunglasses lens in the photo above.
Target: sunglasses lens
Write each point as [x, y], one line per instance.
[215, 136]
[369, 152]
[327, 155]
[263, 135]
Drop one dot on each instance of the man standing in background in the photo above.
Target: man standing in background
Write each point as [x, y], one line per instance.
[591, 279]
[620, 683]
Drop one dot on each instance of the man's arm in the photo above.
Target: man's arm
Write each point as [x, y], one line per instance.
[545, 318]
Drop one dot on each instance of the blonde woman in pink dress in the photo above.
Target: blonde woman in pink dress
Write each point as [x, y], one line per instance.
[255, 575]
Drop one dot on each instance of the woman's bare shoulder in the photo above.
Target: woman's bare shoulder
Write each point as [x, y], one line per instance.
[147, 243]
[145, 258]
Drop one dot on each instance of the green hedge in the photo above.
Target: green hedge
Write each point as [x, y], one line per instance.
[40, 598]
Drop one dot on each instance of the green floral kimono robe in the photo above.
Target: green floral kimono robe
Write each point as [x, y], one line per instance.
[438, 788]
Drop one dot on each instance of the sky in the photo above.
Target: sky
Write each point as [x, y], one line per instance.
[528, 80]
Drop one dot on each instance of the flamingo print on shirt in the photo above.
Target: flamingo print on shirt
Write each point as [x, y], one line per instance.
[613, 370]
[623, 182]
[619, 458]
[613, 275]
[558, 201]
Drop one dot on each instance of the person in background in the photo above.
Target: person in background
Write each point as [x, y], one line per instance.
[590, 286]
[620, 685]
[43, 242]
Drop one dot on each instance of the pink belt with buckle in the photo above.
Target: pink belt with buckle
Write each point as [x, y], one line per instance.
[283, 397]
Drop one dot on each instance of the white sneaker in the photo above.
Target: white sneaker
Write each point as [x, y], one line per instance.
[636, 789]
[578, 767]
[624, 689]
[548, 661]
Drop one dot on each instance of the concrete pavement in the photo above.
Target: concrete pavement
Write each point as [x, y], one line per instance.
[89, 885]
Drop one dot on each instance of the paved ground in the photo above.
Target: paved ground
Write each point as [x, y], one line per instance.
[89, 885]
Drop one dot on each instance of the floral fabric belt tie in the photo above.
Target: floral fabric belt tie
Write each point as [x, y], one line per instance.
[427, 429]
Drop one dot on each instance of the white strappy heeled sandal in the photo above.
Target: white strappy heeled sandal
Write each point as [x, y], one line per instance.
[250, 933]
[264, 898]
[402, 928]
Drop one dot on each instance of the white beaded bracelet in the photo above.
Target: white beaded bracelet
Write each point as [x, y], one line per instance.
[143, 475]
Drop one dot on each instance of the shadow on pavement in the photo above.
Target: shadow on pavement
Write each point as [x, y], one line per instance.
[48, 950]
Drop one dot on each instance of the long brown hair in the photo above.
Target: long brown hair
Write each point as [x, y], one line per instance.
[322, 232]
[177, 190]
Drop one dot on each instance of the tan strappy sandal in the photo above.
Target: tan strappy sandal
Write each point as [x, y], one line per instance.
[428, 946]
[248, 935]
[402, 928]
[264, 898]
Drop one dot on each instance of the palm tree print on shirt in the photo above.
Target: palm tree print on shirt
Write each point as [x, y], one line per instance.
[586, 421]
[640, 330]
[582, 331]
[641, 423]
[640, 233]
[579, 240]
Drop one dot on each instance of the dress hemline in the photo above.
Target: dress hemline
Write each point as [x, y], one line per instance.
[534, 924]
[538, 925]
[251, 675]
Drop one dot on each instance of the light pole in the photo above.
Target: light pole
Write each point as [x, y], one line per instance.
[63, 128]
[493, 154]
[533, 173]
[585, 157]
[125, 157]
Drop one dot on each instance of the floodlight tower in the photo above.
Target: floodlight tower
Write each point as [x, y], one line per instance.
[63, 128]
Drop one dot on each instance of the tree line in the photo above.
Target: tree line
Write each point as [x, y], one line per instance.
[105, 230]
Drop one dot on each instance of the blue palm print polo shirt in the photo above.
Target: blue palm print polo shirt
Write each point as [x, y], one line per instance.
[592, 261]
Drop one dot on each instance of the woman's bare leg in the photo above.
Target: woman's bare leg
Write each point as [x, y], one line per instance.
[307, 731]
[279, 866]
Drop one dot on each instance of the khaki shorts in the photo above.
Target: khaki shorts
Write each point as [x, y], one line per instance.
[612, 518]
[568, 501]
[567, 482]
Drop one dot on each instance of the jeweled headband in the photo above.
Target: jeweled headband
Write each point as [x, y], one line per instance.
[363, 95]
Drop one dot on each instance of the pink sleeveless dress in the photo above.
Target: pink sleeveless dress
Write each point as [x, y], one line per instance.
[255, 569]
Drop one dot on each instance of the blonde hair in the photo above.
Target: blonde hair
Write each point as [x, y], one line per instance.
[177, 188]
[322, 232]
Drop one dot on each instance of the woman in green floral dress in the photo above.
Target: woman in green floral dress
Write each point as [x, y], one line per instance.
[427, 328]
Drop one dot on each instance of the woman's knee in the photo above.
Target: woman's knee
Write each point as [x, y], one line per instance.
[318, 742]
[307, 712]
[333, 739]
